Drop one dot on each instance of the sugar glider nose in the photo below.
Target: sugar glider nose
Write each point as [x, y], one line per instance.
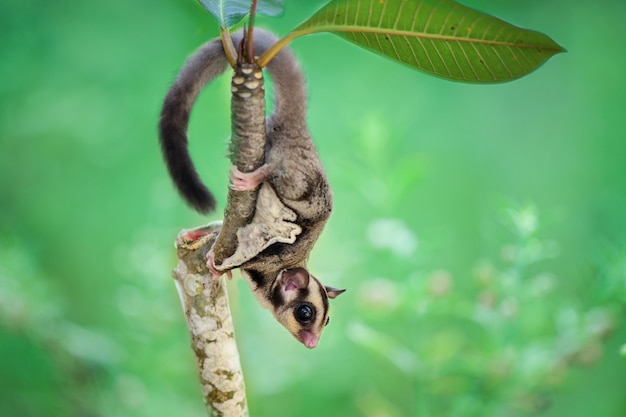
[308, 339]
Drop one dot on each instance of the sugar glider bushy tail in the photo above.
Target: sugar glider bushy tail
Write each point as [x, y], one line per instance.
[205, 65]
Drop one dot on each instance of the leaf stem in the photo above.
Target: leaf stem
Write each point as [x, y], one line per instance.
[268, 55]
[229, 48]
[250, 39]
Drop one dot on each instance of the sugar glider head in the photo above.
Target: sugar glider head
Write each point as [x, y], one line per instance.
[300, 303]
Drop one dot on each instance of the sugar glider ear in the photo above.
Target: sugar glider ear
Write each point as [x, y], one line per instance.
[294, 279]
[334, 292]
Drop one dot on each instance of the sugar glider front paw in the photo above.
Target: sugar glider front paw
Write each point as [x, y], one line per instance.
[210, 264]
[248, 181]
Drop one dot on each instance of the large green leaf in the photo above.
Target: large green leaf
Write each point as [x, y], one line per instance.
[440, 37]
[229, 12]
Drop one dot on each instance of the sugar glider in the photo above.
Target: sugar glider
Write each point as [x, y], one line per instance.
[292, 177]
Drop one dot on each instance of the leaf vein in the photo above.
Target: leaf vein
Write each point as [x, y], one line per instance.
[430, 61]
[369, 14]
[474, 23]
[395, 24]
[414, 19]
[378, 42]
[408, 42]
[445, 21]
[486, 31]
[499, 35]
[356, 14]
[395, 51]
[382, 14]
[456, 61]
[430, 16]
[523, 54]
[495, 51]
[484, 62]
[469, 62]
[443, 61]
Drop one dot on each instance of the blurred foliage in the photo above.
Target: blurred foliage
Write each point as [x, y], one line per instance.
[480, 230]
[498, 340]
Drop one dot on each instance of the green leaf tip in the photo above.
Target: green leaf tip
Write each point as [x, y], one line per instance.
[440, 37]
[230, 12]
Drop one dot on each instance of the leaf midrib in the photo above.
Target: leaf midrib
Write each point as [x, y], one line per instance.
[420, 35]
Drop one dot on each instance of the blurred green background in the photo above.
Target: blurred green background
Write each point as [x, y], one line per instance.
[480, 230]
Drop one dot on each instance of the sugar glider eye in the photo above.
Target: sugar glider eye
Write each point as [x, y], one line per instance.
[304, 313]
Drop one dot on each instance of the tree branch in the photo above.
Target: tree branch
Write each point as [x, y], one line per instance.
[205, 303]
[247, 152]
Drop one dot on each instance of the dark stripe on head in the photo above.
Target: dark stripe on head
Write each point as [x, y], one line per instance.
[303, 294]
[276, 297]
